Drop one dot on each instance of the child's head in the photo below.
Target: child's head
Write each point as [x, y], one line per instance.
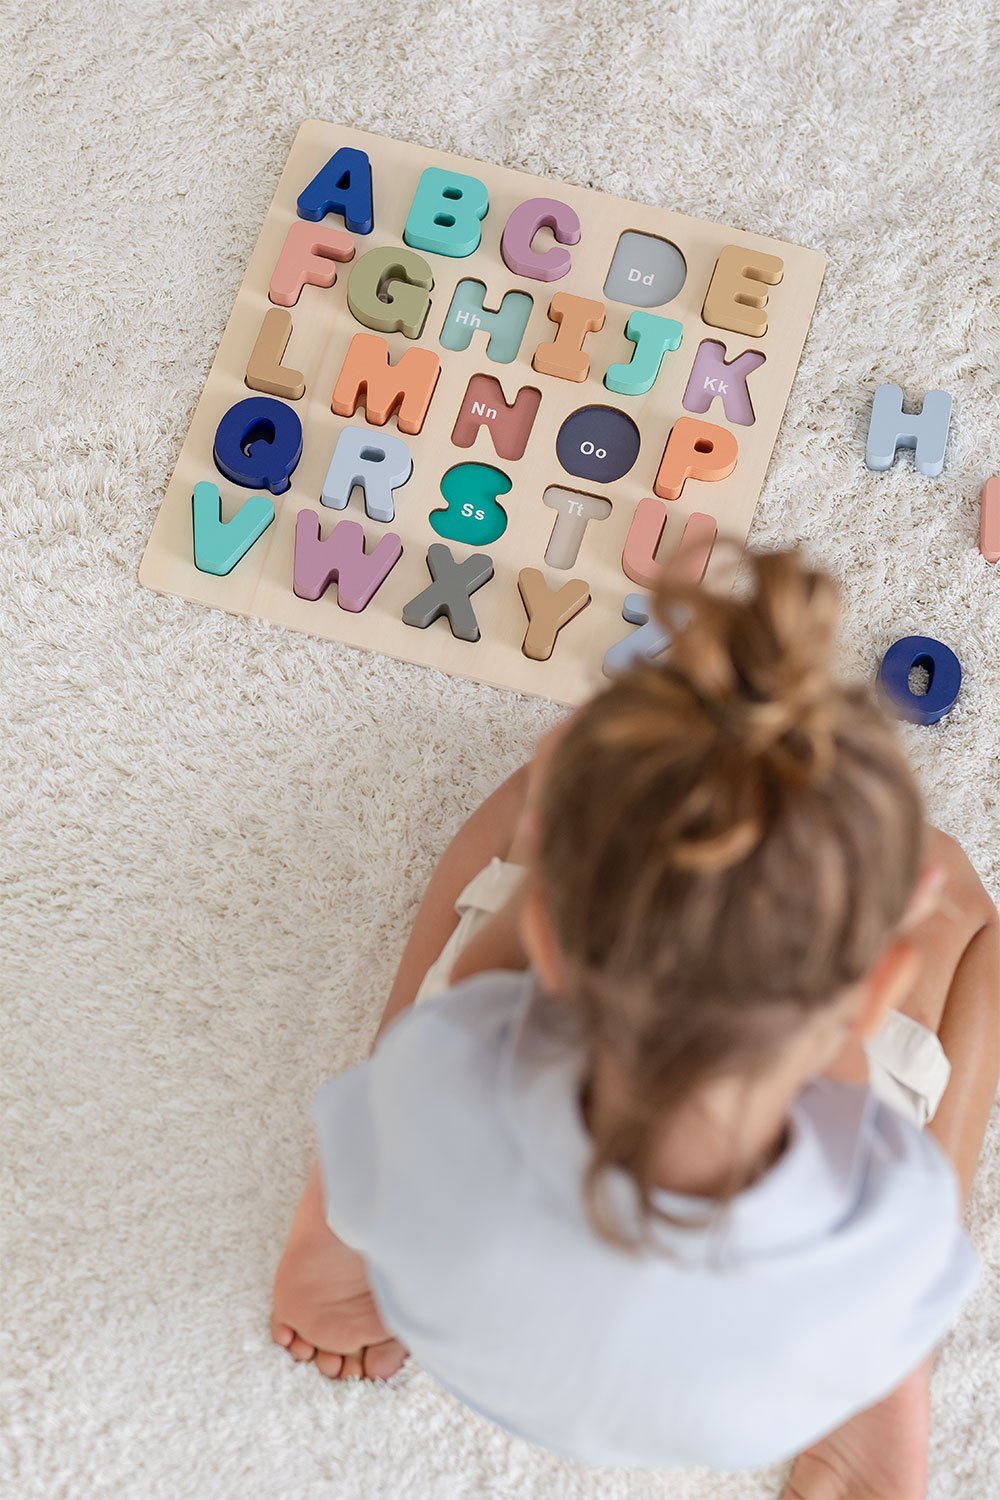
[727, 841]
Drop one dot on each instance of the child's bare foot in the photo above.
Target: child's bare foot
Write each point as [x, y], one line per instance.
[323, 1307]
[881, 1454]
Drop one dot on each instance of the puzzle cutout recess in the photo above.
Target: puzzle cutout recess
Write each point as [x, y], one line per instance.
[462, 415]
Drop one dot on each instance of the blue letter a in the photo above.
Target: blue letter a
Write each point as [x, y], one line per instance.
[343, 186]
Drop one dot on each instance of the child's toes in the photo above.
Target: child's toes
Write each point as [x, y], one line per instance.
[351, 1368]
[282, 1334]
[329, 1364]
[383, 1360]
[300, 1350]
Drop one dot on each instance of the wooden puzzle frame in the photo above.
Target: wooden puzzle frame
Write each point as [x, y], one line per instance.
[322, 330]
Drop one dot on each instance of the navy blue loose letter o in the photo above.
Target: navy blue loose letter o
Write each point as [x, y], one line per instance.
[944, 678]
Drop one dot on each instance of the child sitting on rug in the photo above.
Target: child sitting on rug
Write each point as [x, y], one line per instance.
[647, 1182]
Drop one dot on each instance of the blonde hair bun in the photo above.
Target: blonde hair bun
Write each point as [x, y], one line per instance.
[759, 667]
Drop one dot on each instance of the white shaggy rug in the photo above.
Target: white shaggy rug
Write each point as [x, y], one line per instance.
[215, 833]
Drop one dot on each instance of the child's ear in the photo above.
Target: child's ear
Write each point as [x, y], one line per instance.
[540, 942]
[886, 987]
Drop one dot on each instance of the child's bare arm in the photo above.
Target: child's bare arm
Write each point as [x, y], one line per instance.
[956, 994]
[970, 1035]
[497, 945]
[490, 831]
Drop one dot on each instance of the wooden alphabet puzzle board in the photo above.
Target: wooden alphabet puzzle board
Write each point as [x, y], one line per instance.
[461, 414]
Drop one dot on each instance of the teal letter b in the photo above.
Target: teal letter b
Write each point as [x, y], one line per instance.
[445, 213]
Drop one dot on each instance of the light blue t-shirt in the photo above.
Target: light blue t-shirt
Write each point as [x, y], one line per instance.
[453, 1160]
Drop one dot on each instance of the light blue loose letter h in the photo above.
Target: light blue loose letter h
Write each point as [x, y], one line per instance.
[926, 431]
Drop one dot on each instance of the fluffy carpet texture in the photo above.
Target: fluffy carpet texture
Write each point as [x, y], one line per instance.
[214, 833]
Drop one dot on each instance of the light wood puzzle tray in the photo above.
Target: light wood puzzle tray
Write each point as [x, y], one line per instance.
[729, 291]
